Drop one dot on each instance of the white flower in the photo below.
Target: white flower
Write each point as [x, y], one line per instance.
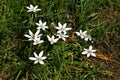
[31, 36]
[41, 25]
[88, 37]
[62, 28]
[81, 34]
[32, 8]
[62, 36]
[84, 35]
[89, 52]
[38, 58]
[37, 40]
[52, 39]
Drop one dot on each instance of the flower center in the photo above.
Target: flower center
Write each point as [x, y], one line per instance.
[38, 59]
[32, 9]
[42, 26]
[88, 51]
[52, 40]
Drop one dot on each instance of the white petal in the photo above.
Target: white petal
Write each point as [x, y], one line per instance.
[85, 49]
[30, 32]
[38, 28]
[37, 32]
[68, 29]
[41, 62]
[44, 23]
[40, 22]
[27, 7]
[84, 32]
[35, 62]
[59, 31]
[66, 36]
[28, 36]
[90, 47]
[46, 26]
[39, 35]
[51, 42]
[35, 54]
[34, 43]
[86, 39]
[81, 31]
[84, 52]
[65, 32]
[93, 54]
[37, 24]
[60, 25]
[88, 55]
[57, 27]
[36, 6]
[41, 41]
[49, 39]
[53, 37]
[43, 58]
[29, 11]
[93, 51]
[77, 33]
[56, 40]
[63, 39]
[30, 39]
[31, 6]
[64, 25]
[32, 58]
[82, 36]
[38, 9]
[43, 28]
[40, 54]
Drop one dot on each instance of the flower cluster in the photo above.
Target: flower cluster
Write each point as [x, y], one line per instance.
[62, 33]
[36, 38]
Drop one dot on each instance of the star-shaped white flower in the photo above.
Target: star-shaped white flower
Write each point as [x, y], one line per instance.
[41, 25]
[38, 58]
[52, 39]
[89, 52]
[62, 36]
[31, 36]
[32, 8]
[81, 34]
[62, 28]
[37, 40]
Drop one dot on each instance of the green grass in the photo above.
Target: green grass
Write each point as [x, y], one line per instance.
[100, 18]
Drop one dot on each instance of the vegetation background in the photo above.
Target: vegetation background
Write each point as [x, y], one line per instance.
[101, 18]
